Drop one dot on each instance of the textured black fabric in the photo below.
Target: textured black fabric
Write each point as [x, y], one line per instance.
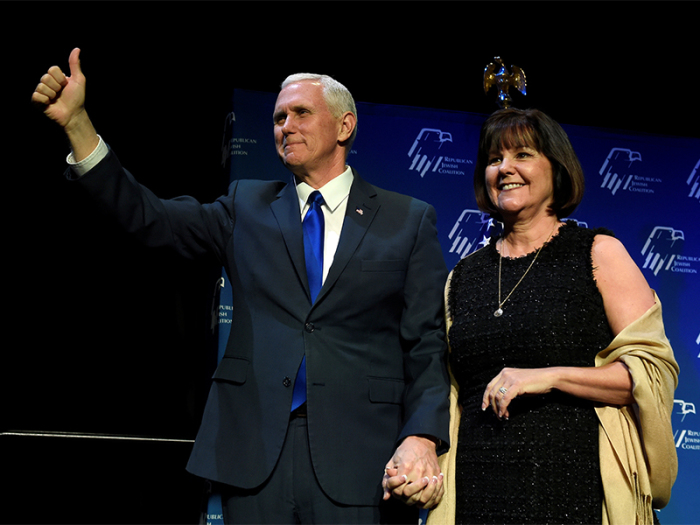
[541, 465]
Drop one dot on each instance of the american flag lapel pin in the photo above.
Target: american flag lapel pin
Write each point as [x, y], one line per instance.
[360, 210]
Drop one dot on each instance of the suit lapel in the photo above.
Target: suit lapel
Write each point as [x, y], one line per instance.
[288, 215]
[361, 210]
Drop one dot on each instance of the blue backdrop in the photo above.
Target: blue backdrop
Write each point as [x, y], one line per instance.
[646, 188]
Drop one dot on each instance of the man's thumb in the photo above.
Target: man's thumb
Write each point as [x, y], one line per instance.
[74, 62]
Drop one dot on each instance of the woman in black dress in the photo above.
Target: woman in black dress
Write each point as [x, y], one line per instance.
[530, 316]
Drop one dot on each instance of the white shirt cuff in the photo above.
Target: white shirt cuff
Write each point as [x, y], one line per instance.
[81, 168]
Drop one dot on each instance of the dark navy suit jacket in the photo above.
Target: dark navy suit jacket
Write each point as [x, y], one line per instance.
[373, 340]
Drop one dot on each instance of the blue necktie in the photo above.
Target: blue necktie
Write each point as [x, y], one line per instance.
[313, 226]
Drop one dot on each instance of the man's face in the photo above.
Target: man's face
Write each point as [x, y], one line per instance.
[306, 133]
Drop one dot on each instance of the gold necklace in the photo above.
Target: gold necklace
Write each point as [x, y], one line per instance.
[499, 311]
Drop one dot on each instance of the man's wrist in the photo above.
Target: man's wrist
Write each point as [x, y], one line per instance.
[82, 136]
[426, 438]
[80, 168]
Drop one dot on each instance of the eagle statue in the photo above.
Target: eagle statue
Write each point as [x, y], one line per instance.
[498, 75]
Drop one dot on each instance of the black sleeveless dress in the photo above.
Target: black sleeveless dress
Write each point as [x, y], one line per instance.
[541, 465]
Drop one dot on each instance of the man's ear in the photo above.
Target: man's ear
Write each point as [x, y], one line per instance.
[347, 126]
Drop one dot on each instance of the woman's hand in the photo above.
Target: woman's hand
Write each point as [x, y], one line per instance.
[513, 382]
[610, 384]
[413, 474]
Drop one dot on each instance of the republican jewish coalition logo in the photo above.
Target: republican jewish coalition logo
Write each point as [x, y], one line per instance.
[426, 151]
[617, 169]
[661, 249]
[619, 173]
[684, 408]
[694, 182]
[685, 439]
[231, 145]
[472, 230]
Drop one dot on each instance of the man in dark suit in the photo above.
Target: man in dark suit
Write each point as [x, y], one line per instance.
[369, 337]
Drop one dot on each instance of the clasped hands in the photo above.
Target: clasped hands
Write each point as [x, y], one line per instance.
[413, 474]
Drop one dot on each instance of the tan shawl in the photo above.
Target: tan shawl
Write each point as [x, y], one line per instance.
[637, 453]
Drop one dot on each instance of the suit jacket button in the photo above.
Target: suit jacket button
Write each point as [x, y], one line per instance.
[287, 382]
[309, 327]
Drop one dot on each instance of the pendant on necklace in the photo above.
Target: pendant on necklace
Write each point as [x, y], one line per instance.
[498, 313]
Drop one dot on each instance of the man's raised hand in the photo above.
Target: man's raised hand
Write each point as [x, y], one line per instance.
[62, 99]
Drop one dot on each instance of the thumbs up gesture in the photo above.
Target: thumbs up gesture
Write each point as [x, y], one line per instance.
[62, 97]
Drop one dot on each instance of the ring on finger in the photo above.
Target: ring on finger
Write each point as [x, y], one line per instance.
[503, 390]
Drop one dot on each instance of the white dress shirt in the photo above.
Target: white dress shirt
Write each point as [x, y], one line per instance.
[335, 195]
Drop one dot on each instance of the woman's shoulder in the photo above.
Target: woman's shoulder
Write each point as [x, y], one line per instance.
[574, 228]
[574, 234]
[607, 249]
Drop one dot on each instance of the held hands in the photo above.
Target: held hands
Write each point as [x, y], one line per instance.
[413, 474]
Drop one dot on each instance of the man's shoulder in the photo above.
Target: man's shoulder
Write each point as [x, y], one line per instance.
[403, 201]
[259, 185]
[391, 196]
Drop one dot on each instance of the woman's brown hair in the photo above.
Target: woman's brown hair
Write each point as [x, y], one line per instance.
[511, 128]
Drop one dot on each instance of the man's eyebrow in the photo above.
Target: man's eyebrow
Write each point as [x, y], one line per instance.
[293, 109]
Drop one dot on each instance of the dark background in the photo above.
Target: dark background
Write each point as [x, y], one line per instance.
[106, 338]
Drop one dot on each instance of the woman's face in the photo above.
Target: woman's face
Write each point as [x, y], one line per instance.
[519, 181]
